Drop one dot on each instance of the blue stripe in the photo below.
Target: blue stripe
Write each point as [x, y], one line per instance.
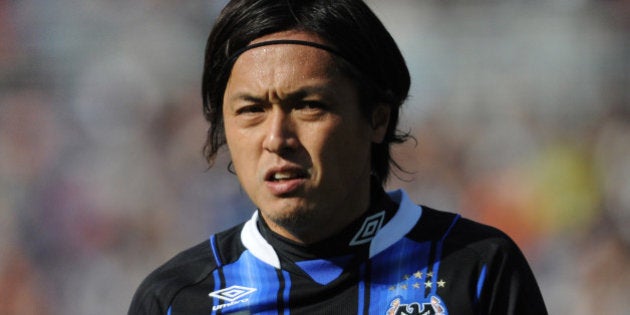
[215, 273]
[388, 269]
[213, 246]
[287, 290]
[217, 286]
[170, 309]
[451, 227]
[436, 267]
[480, 282]
[252, 273]
[361, 306]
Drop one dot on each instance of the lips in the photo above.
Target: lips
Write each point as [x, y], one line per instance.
[275, 176]
[285, 180]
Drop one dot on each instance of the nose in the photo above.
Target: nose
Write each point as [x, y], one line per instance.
[280, 132]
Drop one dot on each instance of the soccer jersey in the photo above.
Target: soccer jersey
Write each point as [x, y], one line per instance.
[398, 258]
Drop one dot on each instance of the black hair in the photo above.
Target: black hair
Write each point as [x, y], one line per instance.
[373, 59]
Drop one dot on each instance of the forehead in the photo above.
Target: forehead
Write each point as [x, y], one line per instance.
[285, 59]
[297, 47]
[286, 63]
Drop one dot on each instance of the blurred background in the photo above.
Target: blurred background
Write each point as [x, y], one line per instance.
[520, 110]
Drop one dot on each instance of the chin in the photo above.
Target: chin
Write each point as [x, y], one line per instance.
[292, 216]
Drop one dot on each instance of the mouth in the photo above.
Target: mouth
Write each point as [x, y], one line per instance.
[286, 175]
[285, 182]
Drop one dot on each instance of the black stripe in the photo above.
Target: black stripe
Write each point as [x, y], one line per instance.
[280, 299]
[222, 286]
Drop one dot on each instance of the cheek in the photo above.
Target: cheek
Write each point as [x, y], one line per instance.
[343, 146]
[352, 134]
[241, 150]
[245, 167]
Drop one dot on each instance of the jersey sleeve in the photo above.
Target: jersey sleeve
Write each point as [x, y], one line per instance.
[157, 291]
[147, 301]
[507, 284]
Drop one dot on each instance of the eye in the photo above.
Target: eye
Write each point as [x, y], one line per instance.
[311, 110]
[250, 109]
[311, 106]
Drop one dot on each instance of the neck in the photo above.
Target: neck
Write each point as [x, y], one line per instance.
[315, 226]
[306, 230]
[338, 244]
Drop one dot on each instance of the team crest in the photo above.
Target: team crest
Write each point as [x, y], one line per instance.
[434, 306]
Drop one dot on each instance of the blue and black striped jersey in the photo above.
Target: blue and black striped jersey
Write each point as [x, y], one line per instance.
[399, 258]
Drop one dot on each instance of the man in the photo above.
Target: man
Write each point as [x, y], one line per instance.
[306, 95]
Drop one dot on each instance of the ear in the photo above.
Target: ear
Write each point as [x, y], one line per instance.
[380, 122]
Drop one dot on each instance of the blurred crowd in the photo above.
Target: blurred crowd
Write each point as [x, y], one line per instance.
[520, 112]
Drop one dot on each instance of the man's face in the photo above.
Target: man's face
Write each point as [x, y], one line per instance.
[298, 141]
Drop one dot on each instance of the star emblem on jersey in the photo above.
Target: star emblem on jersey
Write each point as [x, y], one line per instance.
[418, 280]
[369, 228]
[232, 293]
[416, 294]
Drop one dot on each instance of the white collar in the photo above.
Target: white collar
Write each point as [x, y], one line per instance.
[406, 217]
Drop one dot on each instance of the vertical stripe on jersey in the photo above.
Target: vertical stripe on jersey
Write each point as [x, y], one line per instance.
[284, 278]
[263, 279]
[480, 282]
[364, 289]
[217, 275]
[215, 253]
[431, 269]
[280, 294]
[219, 283]
[438, 256]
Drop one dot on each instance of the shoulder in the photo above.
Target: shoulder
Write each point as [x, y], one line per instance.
[187, 268]
[491, 261]
[155, 293]
[456, 232]
[504, 281]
